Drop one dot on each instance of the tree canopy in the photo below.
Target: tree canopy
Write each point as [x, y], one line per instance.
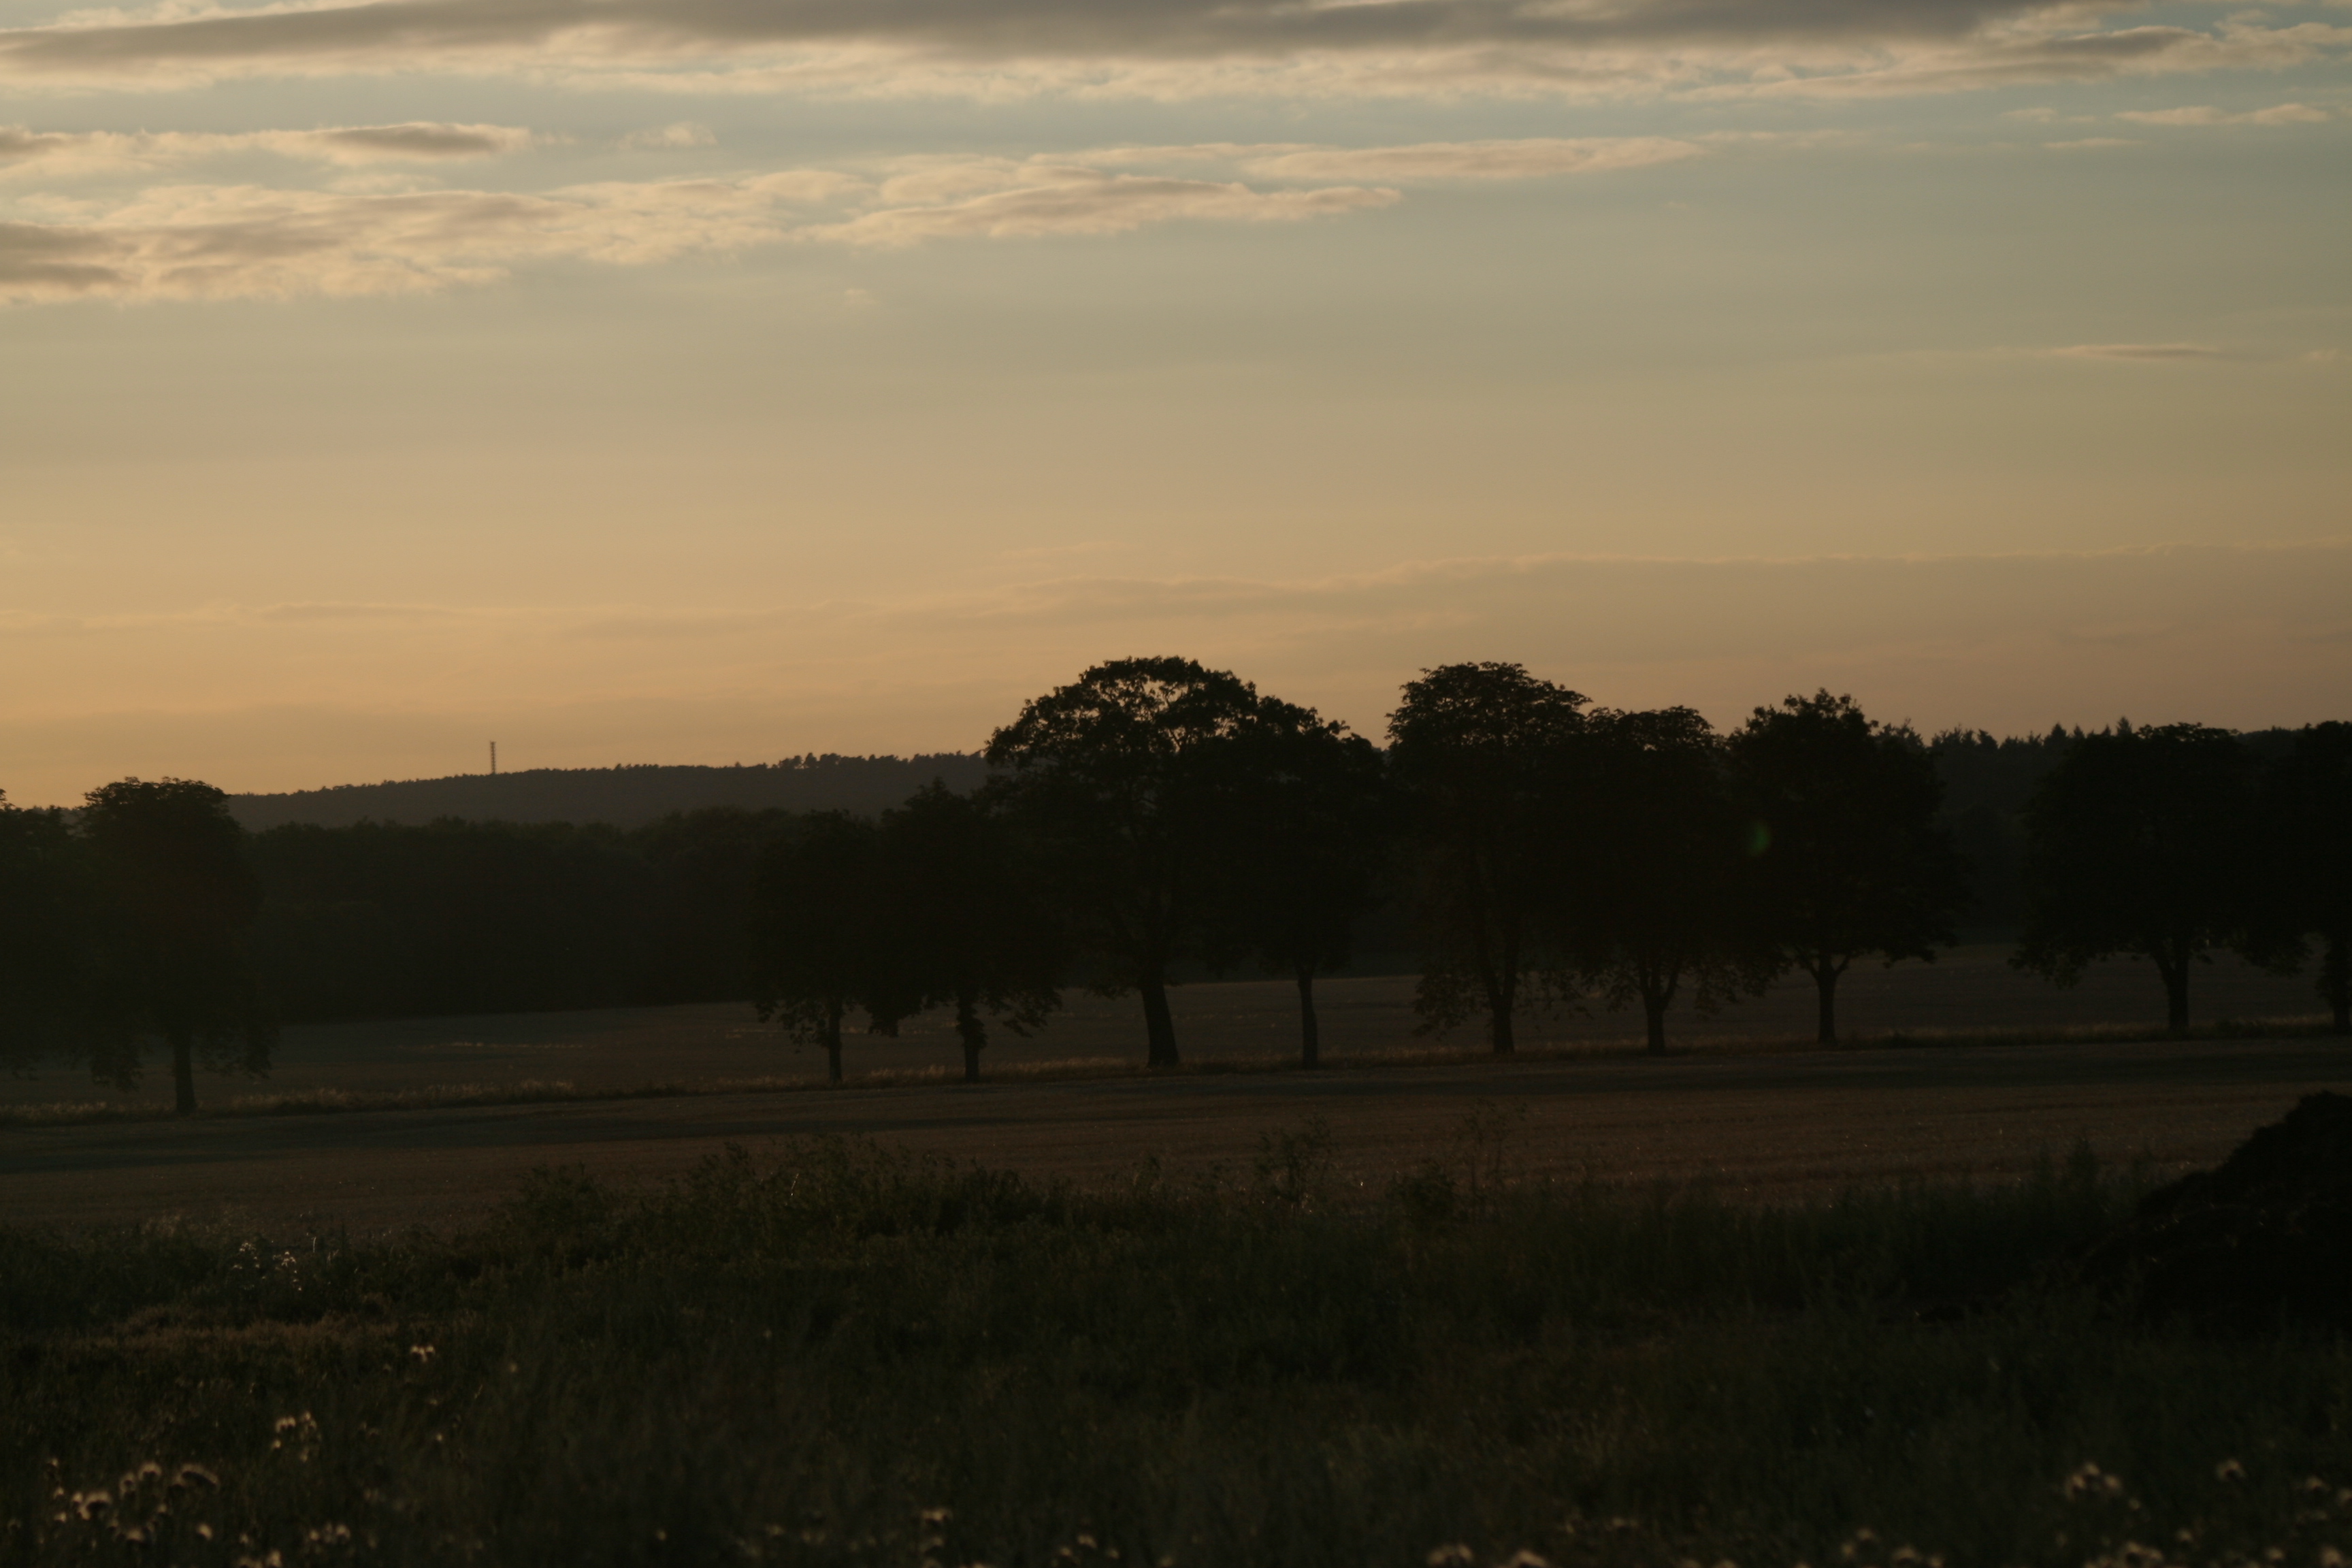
[1486, 753]
[1661, 899]
[820, 948]
[178, 900]
[2307, 815]
[1115, 778]
[2141, 842]
[1850, 859]
[966, 921]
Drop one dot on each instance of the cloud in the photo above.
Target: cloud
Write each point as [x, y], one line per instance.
[2091, 144]
[2279, 114]
[51, 154]
[684, 134]
[193, 242]
[1161, 47]
[1090, 202]
[1524, 158]
[1516, 160]
[2144, 354]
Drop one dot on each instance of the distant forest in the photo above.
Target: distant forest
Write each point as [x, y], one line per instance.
[1156, 821]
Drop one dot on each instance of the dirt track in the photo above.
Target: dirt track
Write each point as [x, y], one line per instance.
[1762, 1126]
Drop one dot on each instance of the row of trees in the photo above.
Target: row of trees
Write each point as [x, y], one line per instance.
[1155, 818]
[1156, 813]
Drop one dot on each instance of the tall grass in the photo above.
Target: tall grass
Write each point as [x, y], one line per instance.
[832, 1356]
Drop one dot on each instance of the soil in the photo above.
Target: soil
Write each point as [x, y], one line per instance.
[2262, 1241]
[1762, 1127]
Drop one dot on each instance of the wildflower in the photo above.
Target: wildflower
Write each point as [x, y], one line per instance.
[92, 1505]
[2229, 1470]
[424, 1354]
[2330, 1558]
[2092, 1481]
[938, 1515]
[1457, 1555]
[1523, 1558]
[196, 1476]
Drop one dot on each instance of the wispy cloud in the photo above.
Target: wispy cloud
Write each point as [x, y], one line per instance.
[2144, 354]
[58, 154]
[214, 241]
[230, 241]
[1164, 47]
[2205, 114]
[1090, 202]
[1516, 160]
[684, 134]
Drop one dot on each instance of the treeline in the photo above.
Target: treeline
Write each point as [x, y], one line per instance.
[1155, 818]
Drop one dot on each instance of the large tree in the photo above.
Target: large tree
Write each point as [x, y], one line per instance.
[2139, 842]
[178, 900]
[965, 914]
[819, 944]
[1487, 756]
[1115, 778]
[1309, 816]
[43, 928]
[2307, 809]
[1663, 901]
[1849, 858]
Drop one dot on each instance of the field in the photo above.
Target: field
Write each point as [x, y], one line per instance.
[1745, 1102]
[1752, 1303]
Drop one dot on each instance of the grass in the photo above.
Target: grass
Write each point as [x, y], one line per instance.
[832, 1356]
[535, 1091]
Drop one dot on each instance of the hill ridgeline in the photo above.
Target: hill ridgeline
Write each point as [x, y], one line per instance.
[625, 796]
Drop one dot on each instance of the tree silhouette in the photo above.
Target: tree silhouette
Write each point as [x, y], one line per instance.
[1663, 901]
[2137, 843]
[1308, 815]
[178, 900]
[971, 926]
[1485, 753]
[1849, 858]
[1114, 780]
[819, 949]
[2307, 802]
[43, 935]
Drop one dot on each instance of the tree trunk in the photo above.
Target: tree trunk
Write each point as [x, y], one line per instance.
[2335, 979]
[1502, 1003]
[1158, 1023]
[832, 1042]
[1653, 1008]
[1826, 975]
[971, 1032]
[1310, 1032]
[2174, 967]
[183, 1073]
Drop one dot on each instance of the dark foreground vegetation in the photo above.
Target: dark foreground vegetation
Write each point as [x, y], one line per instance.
[826, 1355]
[1519, 846]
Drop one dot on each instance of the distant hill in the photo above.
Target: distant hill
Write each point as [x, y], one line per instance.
[623, 796]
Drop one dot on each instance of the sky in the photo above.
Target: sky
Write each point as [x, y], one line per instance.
[704, 381]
